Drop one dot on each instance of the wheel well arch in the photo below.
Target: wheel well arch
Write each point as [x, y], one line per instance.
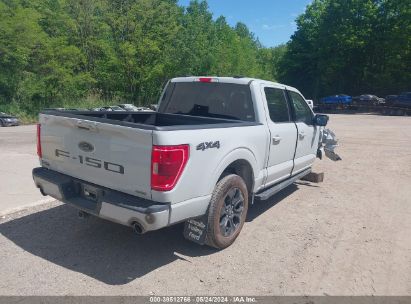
[242, 168]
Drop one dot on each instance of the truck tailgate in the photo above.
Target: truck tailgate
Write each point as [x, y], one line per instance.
[113, 156]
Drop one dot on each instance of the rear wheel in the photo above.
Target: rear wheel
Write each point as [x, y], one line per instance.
[227, 213]
[1, 123]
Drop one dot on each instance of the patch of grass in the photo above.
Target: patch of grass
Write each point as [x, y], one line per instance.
[24, 116]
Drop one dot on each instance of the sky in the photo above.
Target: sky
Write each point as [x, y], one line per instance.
[272, 21]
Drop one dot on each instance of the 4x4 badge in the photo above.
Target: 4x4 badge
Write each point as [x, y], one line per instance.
[208, 145]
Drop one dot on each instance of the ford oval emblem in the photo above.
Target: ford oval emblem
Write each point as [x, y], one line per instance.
[86, 147]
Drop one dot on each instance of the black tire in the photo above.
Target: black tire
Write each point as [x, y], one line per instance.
[227, 211]
[1, 123]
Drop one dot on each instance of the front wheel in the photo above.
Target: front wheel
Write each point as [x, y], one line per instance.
[227, 211]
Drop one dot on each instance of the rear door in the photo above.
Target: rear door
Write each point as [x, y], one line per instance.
[110, 155]
[283, 135]
[308, 134]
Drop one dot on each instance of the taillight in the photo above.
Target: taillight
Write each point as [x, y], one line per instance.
[207, 79]
[167, 165]
[39, 140]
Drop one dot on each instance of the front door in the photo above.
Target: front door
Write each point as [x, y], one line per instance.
[308, 134]
[283, 135]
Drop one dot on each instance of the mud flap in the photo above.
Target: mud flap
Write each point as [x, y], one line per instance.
[195, 230]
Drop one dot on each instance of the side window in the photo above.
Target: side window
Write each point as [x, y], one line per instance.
[302, 110]
[277, 105]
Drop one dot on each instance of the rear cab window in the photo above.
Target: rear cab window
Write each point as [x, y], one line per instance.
[216, 100]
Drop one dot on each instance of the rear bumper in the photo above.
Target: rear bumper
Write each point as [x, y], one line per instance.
[102, 202]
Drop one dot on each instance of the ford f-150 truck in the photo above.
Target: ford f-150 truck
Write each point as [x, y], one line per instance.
[213, 146]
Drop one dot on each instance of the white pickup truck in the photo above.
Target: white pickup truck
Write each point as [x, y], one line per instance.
[213, 146]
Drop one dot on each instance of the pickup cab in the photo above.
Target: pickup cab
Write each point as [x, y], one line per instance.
[214, 145]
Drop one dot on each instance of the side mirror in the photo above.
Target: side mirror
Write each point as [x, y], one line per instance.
[321, 120]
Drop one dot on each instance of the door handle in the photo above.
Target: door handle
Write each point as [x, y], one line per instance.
[276, 140]
[301, 134]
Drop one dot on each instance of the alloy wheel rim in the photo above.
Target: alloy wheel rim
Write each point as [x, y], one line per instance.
[231, 212]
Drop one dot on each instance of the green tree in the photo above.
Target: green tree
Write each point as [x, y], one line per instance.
[20, 37]
[353, 46]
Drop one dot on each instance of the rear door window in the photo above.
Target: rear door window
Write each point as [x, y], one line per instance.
[277, 105]
[218, 100]
[302, 111]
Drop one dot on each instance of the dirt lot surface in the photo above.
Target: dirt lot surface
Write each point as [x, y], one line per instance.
[350, 235]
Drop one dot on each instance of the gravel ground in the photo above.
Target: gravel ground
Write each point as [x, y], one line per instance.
[347, 236]
[17, 158]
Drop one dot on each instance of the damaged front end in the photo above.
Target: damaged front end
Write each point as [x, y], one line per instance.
[327, 145]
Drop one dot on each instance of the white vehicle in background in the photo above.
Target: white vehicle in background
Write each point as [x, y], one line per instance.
[109, 108]
[128, 107]
[133, 108]
[144, 109]
[310, 103]
[214, 145]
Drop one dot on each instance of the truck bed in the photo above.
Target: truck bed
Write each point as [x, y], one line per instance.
[152, 120]
[113, 149]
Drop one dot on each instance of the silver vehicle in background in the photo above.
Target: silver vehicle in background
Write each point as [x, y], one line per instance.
[109, 108]
[7, 120]
[368, 99]
[133, 108]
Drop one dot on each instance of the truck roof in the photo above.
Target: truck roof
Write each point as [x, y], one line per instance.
[236, 80]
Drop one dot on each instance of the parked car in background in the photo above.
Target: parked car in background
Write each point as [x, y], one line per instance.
[109, 108]
[154, 107]
[133, 108]
[337, 99]
[128, 107]
[398, 105]
[368, 99]
[403, 100]
[144, 109]
[390, 99]
[7, 120]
